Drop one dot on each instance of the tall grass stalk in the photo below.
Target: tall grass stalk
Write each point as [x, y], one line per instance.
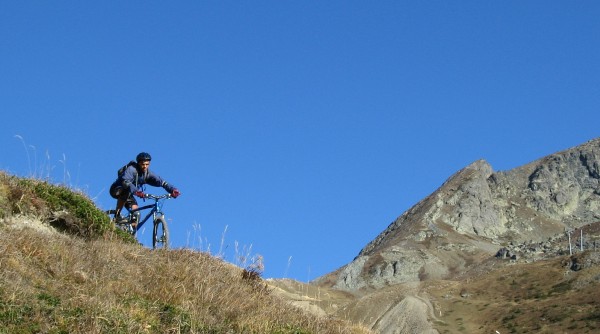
[65, 171]
[197, 235]
[287, 268]
[221, 253]
[26, 153]
[42, 170]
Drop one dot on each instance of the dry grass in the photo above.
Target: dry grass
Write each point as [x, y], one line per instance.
[540, 297]
[52, 282]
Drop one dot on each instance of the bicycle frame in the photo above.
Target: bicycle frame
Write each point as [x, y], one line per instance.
[156, 209]
[160, 231]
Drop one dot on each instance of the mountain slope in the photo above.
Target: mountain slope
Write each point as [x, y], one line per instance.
[476, 211]
[486, 252]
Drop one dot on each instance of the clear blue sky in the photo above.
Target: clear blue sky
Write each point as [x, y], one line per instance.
[299, 128]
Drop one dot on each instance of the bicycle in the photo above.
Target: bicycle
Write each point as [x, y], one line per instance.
[160, 232]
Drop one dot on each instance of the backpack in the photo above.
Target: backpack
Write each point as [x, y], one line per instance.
[122, 169]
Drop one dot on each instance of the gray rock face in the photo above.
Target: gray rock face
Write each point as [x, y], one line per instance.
[474, 211]
[469, 202]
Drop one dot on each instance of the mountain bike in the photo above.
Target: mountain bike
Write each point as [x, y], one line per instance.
[160, 232]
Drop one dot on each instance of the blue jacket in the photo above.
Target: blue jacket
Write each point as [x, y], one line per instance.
[134, 180]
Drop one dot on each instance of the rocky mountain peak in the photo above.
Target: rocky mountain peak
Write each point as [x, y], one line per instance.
[465, 220]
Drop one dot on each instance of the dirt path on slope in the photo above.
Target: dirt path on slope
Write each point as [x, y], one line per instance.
[400, 309]
[410, 315]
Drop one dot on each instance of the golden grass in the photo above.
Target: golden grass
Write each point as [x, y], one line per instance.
[63, 282]
[51, 283]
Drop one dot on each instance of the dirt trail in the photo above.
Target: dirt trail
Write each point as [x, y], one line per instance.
[411, 315]
[404, 308]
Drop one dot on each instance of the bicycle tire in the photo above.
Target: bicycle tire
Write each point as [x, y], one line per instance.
[160, 235]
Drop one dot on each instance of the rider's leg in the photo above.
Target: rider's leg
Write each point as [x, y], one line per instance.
[136, 219]
[121, 195]
[131, 204]
[120, 204]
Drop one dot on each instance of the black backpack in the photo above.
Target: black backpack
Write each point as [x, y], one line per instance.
[122, 169]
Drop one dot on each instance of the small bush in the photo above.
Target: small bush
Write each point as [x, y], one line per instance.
[66, 210]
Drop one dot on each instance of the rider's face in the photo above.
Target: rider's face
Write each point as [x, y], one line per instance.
[144, 165]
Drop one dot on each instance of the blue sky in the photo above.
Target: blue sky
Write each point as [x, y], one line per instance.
[298, 130]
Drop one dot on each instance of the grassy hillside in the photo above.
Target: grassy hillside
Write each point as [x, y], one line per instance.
[544, 296]
[539, 297]
[82, 276]
[62, 208]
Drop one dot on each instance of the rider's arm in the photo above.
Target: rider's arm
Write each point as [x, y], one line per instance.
[157, 181]
[129, 179]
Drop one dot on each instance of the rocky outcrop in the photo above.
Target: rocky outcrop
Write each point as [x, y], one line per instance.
[474, 212]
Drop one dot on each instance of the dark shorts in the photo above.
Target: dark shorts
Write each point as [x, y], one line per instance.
[119, 192]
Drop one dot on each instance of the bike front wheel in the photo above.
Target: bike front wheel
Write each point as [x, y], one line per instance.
[160, 235]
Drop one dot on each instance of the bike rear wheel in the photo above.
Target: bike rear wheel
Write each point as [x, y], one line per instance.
[160, 235]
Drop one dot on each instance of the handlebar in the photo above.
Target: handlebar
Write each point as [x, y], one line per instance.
[157, 197]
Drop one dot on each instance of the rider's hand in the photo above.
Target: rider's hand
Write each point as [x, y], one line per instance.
[175, 193]
[140, 194]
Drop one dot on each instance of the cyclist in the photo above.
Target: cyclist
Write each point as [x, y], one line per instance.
[130, 182]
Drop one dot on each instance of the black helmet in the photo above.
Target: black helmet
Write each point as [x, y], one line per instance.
[143, 157]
